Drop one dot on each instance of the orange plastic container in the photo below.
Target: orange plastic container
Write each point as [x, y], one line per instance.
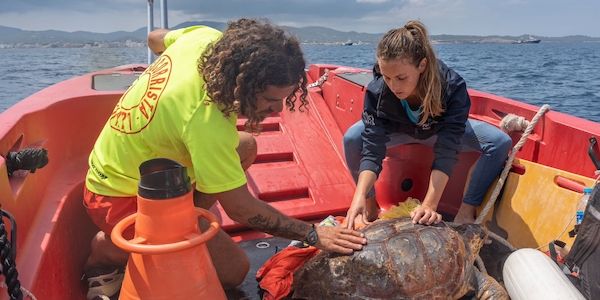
[169, 258]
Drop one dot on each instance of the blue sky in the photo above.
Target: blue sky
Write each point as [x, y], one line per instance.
[477, 17]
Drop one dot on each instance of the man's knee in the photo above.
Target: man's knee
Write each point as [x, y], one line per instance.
[103, 251]
[234, 279]
[230, 261]
[98, 239]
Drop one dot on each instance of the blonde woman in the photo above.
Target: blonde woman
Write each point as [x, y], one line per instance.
[416, 98]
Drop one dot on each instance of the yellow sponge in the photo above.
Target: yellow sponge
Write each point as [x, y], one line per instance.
[403, 209]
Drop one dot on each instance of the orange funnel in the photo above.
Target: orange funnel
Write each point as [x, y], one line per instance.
[169, 258]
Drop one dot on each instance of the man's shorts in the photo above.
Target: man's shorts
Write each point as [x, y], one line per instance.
[107, 211]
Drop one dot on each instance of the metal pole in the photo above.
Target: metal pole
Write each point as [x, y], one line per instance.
[150, 27]
[163, 14]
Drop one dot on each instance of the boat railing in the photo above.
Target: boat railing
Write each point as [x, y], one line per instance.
[150, 25]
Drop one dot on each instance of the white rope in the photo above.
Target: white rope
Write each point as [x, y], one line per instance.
[508, 165]
[501, 240]
[512, 123]
[320, 81]
[26, 292]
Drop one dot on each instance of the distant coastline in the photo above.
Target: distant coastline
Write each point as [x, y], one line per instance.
[17, 38]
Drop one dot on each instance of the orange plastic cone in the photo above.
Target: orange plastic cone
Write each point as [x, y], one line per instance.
[169, 258]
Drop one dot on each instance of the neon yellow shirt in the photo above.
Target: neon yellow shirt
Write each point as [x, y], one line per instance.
[165, 114]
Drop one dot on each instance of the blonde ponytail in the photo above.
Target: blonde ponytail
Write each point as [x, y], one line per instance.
[412, 42]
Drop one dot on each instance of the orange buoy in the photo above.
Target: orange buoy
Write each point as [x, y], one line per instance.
[168, 255]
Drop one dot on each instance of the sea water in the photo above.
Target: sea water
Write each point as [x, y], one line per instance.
[564, 75]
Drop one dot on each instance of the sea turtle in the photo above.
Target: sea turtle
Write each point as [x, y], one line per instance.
[402, 261]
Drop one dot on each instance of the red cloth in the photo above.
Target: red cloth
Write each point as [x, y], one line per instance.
[277, 274]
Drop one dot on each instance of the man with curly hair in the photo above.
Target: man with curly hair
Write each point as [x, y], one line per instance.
[184, 107]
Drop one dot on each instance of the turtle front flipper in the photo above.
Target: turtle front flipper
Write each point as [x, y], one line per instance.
[488, 288]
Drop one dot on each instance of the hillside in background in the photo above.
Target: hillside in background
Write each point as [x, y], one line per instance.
[17, 38]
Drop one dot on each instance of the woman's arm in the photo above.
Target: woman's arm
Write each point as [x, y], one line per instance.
[373, 152]
[358, 207]
[446, 148]
[426, 213]
[452, 127]
[374, 136]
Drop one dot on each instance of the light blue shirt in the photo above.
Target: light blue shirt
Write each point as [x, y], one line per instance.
[413, 115]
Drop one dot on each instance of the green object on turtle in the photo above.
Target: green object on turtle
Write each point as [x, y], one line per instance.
[402, 260]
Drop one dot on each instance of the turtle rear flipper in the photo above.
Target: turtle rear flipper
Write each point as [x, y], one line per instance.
[487, 288]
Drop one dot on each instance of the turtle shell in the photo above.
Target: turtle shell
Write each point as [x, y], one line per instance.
[400, 261]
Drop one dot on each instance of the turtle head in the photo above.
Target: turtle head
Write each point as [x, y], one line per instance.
[474, 236]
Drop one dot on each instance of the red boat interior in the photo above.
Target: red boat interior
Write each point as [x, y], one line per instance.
[299, 169]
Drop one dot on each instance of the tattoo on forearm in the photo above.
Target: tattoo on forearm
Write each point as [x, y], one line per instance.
[278, 226]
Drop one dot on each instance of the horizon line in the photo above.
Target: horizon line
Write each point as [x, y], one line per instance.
[310, 26]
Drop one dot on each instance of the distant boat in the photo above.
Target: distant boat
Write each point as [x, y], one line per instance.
[348, 43]
[530, 40]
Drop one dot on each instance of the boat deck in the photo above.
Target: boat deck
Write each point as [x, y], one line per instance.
[258, 251]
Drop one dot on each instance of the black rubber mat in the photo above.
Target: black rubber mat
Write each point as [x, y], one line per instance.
[258, 252]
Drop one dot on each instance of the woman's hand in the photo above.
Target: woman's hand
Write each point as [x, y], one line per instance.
[424, 214]
[339, 239]
[357, 211]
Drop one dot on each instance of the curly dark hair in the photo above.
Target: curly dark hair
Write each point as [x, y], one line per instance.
[250, 55]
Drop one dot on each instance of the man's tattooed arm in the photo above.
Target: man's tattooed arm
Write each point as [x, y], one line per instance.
[274, 222]
[243, 207]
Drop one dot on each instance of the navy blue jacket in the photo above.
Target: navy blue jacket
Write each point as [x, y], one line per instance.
[383, 114]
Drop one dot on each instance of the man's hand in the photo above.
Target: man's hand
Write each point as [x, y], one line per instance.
[339, 239]
[425, 215]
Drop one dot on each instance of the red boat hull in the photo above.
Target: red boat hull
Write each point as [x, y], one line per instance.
[300, 167]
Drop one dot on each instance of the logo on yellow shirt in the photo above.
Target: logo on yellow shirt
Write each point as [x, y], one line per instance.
[138, 105]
